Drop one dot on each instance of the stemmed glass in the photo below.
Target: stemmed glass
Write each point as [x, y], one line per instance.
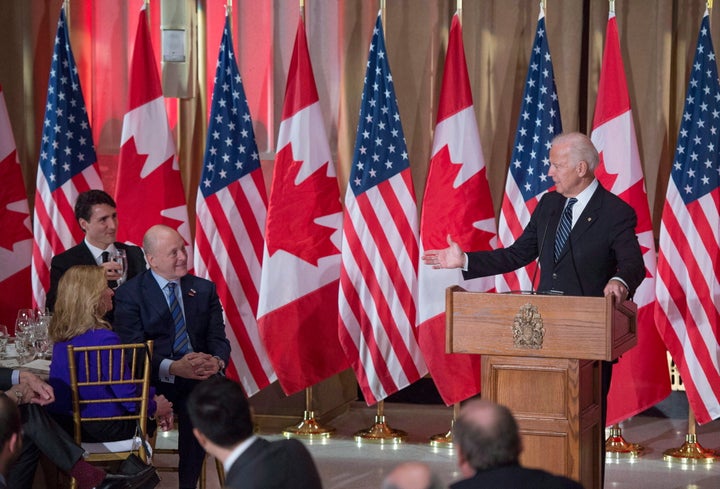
[3, 340]
[120, 257]
[41, 337]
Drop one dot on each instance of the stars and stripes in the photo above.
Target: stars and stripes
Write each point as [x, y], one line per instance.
[67, 164]
[457, 201]
[527, 178]
[687, 288]
[640, 378]
[231, 208]
[378, 277]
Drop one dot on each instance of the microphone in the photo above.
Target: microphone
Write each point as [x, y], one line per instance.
[542, 244]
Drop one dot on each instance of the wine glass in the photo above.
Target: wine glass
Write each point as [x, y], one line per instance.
[120, 257]
[3, 340]
[41, 337]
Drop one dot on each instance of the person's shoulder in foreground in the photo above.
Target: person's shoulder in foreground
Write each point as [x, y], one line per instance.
[223, 424]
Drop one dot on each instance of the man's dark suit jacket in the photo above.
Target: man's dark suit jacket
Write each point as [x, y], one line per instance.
[282, 464]
[81, 255]
[601, 245]
[516, 477]
[142, 313]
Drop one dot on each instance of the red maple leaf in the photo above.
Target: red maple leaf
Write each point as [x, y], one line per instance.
[604, 177]
[142, 201]
[12, 190]
[294, 208]
[449, 210]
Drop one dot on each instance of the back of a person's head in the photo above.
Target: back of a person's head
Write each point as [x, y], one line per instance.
[487, 435]
[77, 307]
[10, 422]
[219, 409]
[412, 475]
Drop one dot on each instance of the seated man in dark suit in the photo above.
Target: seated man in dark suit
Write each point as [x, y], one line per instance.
[222, 423]
[41, 434]
[488, 447]
[95, 213]
[10, 437]
[182, 314]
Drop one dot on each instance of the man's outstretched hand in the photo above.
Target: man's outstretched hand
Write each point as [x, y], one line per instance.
[450, 257]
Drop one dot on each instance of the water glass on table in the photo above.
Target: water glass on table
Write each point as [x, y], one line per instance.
[25, 346]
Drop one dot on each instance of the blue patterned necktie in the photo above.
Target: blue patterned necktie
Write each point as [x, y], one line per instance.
[180, 345]
[565, 226]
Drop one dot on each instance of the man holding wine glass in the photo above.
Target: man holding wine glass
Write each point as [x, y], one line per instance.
[96, 214]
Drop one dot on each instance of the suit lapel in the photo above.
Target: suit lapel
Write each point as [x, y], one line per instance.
[154, 293]
[189, 301]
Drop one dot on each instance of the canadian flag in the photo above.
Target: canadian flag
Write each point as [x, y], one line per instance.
[457, 202]
[640, 379]
[16, 239]
[298, 308]
[149, 188]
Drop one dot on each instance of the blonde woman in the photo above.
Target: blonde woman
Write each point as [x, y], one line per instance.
[83, 300]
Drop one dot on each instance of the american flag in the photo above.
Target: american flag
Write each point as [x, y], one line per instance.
[457, 201]
[640, 379]
[297, 313]
[16, 238]
[67, 165]
[231, 208]
[378, 277]
[687, 288]
[527, 178]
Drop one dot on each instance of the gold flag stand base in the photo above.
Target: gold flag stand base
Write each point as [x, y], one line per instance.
[380, 432]
[446, 440]
[616, 447]
[442, 441]
[308, 428]
[691, 452]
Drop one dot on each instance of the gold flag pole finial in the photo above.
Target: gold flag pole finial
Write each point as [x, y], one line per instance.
[709, 4]
[302, 10]
[612, 6]
[459, 8]
[543, 4]
[228, 7]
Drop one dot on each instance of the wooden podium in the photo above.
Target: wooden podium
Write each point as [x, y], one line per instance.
[541, 358]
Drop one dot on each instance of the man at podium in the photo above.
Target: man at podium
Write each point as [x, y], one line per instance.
[582, 236]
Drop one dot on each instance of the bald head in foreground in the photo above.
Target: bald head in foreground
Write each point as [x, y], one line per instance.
[412, 475]
[488, 447]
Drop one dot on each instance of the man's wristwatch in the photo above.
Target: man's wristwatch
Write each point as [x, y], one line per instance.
[221, 363]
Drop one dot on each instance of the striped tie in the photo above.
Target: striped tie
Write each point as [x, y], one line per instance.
[180, 346]
[564, 229]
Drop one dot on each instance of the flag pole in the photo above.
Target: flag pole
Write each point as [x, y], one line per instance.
[616, 446]
[380, 432]
[691, 452]
[309, 427]
[445, 440]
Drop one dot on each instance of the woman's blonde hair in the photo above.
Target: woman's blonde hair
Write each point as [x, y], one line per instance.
[78, 305]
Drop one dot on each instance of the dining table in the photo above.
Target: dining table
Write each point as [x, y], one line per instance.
[38, 366]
